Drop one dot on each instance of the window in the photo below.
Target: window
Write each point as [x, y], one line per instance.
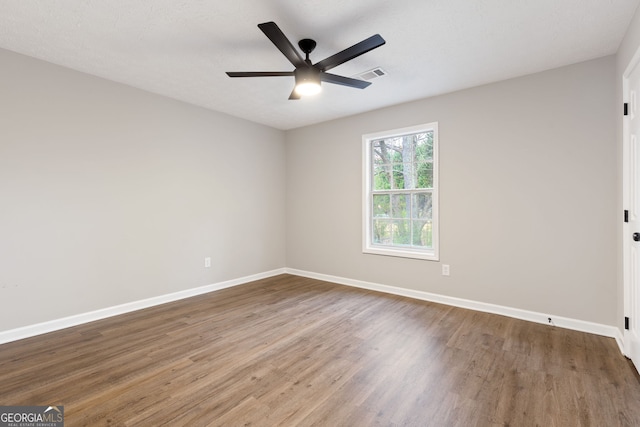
[400, 203]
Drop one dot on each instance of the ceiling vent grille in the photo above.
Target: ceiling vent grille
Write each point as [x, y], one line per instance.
[371, 74]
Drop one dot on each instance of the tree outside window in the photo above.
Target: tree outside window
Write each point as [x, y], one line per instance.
[401, 192]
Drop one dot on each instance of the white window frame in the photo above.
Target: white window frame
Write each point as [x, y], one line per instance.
[368, 247]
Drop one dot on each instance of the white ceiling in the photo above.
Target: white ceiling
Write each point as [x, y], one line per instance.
[181, 49]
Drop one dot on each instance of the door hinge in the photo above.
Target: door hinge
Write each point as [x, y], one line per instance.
[626, 323]
[626, 109]
[626, 215]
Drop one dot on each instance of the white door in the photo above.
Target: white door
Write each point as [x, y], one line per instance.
[631, 200]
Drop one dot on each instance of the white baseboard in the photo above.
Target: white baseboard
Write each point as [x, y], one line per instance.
[619, 337]
[532, 316]
[78, 319]
[66, 322]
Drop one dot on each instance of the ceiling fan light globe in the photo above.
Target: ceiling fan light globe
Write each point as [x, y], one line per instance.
[308, 88]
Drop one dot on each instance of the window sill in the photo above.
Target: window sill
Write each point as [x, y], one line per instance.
[402, 253]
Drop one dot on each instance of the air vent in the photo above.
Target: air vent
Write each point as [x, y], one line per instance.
[371, 74]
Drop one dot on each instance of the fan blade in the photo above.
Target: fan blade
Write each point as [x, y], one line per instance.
[344, 81]
[277, 37]
[259, 73]
[294, 95]
[352, 52]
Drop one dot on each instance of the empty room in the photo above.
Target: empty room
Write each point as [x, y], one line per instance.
[279, 213]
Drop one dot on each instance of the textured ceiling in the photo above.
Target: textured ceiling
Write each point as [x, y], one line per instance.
[181, 49]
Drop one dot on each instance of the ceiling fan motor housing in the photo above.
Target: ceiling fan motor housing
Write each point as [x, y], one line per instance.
[307, 80]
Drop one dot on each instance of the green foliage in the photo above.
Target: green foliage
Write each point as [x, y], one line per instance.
[403, 163]
[395, 160]
[403, 233]
[381, 205]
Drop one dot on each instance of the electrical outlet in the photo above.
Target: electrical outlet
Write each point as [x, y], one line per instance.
[207, 262]
[445, 269]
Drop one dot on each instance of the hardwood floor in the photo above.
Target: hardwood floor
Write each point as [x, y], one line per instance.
[295, 351]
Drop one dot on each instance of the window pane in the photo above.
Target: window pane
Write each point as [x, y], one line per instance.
[379, 150]
[423, 234]
[381, 206]
[422, 206]
[400, 204]
[403, 176]
[395, 144]
[377, 153]
[401, 232]
[424, 175]
[384, 152]
[398, 181]
[382, 231]
[381, 177]
[424, 147]
[410, 177]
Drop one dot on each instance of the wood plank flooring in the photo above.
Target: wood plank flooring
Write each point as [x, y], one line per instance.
[289, 351]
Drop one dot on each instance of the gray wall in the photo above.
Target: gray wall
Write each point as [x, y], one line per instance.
[110, 195]
[528, 196]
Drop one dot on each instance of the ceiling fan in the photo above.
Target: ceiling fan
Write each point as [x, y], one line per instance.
[307, 75]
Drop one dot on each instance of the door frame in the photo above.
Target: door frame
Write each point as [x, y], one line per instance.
[631, 296]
